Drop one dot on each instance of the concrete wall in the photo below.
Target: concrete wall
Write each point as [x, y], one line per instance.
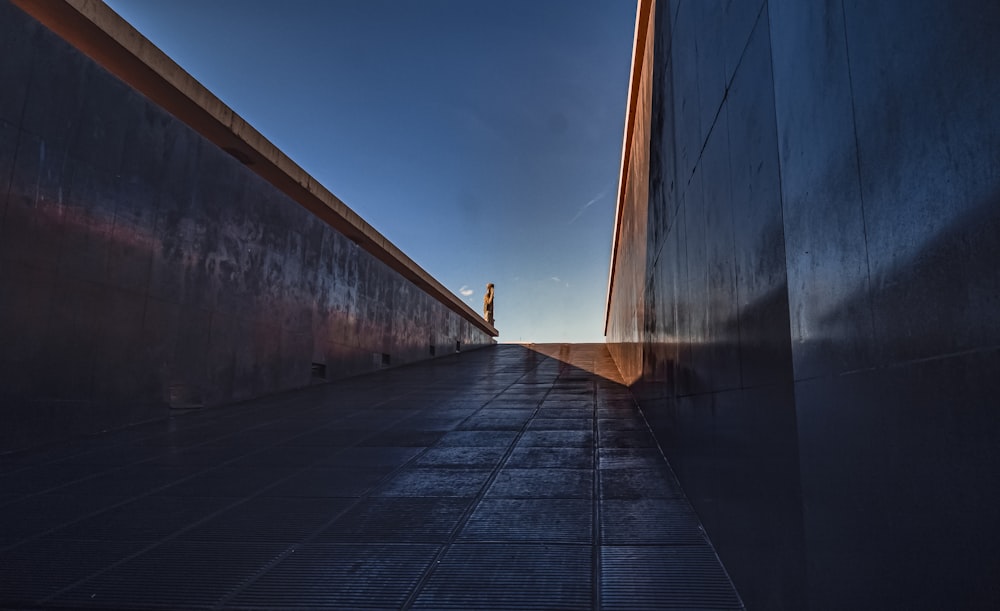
[141, 266]
[819, 335]
[626, 289]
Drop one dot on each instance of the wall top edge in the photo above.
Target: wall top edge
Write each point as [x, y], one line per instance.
[643, 13]
[97, 31]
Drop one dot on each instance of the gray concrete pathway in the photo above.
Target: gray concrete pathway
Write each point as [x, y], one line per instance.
[506, 478]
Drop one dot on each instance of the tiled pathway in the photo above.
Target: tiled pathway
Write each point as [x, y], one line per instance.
[494, 479]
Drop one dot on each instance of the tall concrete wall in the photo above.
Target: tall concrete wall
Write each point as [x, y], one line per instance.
[818, 310]
[627, 288]
[141, 266]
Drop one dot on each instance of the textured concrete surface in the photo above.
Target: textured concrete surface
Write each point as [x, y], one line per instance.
[101, 34]
[813, 328]
[625, 287]
[142, 266]
[506, 478]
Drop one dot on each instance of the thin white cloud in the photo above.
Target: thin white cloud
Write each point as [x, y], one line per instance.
[465, 291]
[556, 279]
[593, 201]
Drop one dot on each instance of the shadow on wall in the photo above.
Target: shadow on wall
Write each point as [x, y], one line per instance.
[895, 454]
[807, 484]
[819, 343]
[936, 302]
[735, 449]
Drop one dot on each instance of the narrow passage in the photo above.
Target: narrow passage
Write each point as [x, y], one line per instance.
[513, 477]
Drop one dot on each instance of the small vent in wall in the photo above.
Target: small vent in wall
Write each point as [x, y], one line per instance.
[319, 371]
[183, 396]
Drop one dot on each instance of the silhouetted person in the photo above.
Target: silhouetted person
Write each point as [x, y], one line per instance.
[488, 303]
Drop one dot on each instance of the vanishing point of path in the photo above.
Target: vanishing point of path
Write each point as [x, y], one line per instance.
[513, 477]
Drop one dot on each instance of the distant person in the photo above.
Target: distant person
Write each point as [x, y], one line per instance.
[488, 303]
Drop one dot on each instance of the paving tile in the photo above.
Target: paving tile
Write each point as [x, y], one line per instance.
[626, 439]
[344, 576]
[564, 411]
[542, 483]
[132, 480]
[118, 455]
[630, 458]
[436, 482]
[675, 577]
[478, 438]
[639, 484]
[650, 522]
[550, 458]
[38, 514]
[508, 403]
[510, 576]
[10, 497]
[398, 520]
[229, 481]
[254, 438]
[268, 520]
[551, 520]
[436, 424]
[330, 437]
[561, 424]
[177, 574]
[283, 456]
[36, 570]
[557, 439]
[636, 423]
[494, 423]
[409, 488]
[460, 457]
[49, 477]
[329, 482]
[405, 438]
[130, 521]
[207, 456]
[381, 456]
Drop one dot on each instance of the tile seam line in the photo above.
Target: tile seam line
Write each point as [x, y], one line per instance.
[463, 520]
[596, 545]
[369, 494]
[173, 536]
[212, 415]
[55, 489]
[223, 603]
[701, 527]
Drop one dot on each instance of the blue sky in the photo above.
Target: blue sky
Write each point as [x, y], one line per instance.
[482, 138]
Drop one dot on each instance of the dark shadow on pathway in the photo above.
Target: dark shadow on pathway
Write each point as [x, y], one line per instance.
[511, 477]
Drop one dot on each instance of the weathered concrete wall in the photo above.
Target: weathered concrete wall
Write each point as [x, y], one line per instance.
[626, 289]
[142, 266]
[820, 334]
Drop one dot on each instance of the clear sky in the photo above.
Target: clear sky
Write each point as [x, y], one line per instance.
[482, 138]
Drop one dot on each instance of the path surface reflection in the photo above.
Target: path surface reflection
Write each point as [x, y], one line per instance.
[505, 478]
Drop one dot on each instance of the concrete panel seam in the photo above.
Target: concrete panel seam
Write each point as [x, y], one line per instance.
[861, 194]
